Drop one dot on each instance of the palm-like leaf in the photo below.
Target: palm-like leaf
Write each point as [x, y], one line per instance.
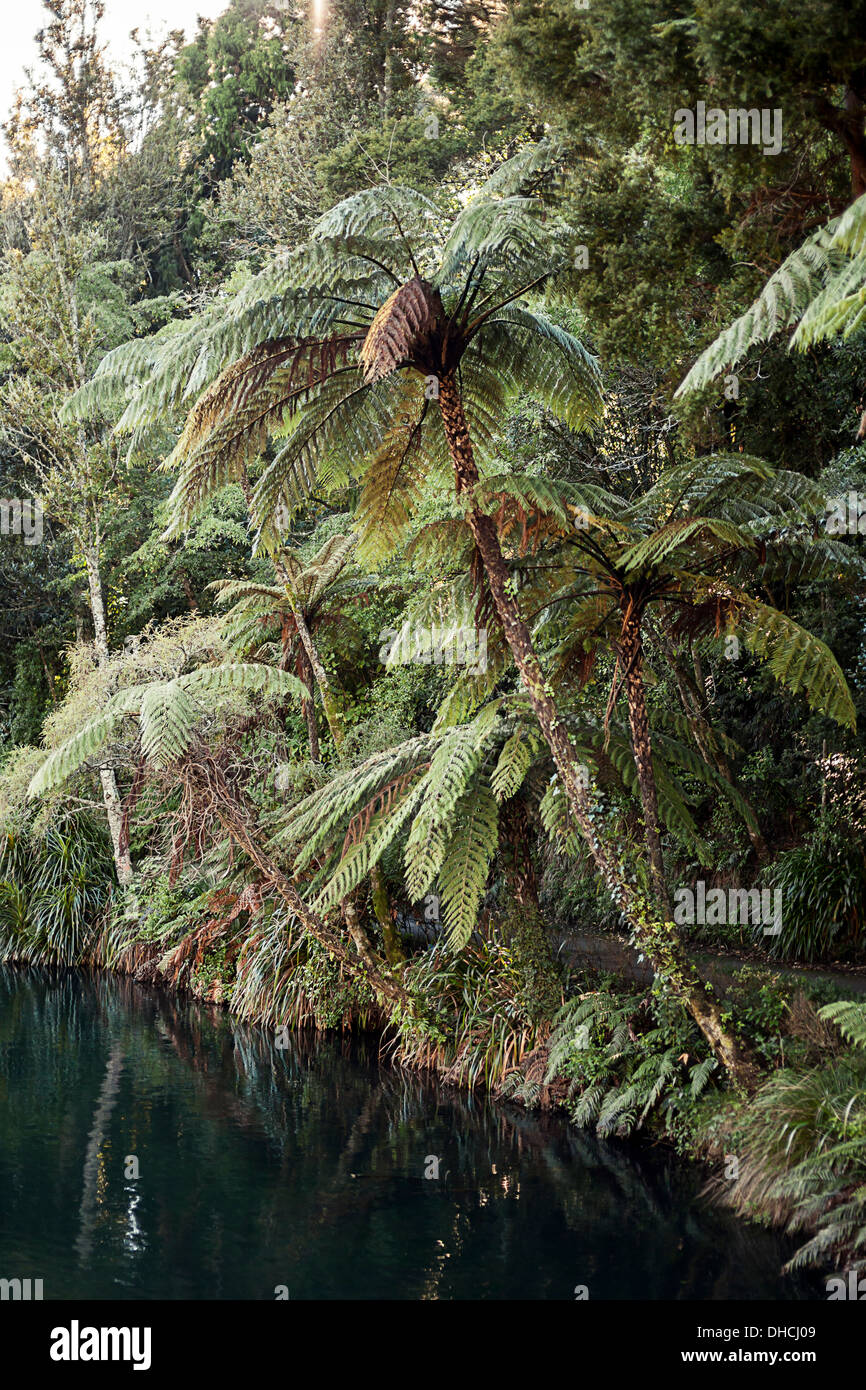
[307, 351]
[168, 713]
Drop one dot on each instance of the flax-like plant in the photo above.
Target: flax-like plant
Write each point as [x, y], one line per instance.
[53, 888]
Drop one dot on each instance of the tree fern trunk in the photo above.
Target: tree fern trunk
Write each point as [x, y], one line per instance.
[309, 707]
[702, 733]
[522, 919]
[631, 655]
[333, 713]
[237, 826]
[658, 938]
[394, 951]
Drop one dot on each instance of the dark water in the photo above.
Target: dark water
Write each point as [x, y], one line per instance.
[305, 1168]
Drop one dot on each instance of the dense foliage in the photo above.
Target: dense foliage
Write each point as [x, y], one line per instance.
[453, 511]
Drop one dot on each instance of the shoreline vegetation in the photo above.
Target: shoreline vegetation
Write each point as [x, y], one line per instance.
[535, 1062]
[454, 511]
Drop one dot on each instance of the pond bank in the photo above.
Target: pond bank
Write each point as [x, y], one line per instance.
[315, 1169]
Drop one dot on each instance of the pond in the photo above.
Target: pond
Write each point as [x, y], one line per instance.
[150, 1148]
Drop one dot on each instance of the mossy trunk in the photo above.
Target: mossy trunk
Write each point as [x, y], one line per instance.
[522, 920]
[394, 949]
[631, 657]
[308, 707]
[110, 793]
[657, 936]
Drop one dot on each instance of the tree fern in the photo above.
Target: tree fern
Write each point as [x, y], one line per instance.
[849, 1016]
[167, 711]
[799, 660]
[382, 276]
[781, 303]
[463, 874]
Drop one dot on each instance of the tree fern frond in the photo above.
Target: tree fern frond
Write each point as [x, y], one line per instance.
[514, 762]
[168, 717]
[244, 676]
[84, 743]
[314, 821]
[780, 304]
[463, 875]
[663, 543]
[799, 660]
[392, 211]
[546, 362]
[453, 765]
[407, 315]
[849, 1016]
[356, 864]
[392, 481]
[338, 430]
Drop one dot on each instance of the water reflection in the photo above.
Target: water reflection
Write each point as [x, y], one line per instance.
[311, 1168]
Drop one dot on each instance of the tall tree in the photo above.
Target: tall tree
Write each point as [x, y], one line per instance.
[62, 305]
[396, 341]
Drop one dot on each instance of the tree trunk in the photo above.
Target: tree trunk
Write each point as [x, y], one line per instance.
[309, 707]
[522, 920]
[658, 939]
[631, 656]
[189, 592]
[333, 713]
[394, 951]
[703, 735]
[110, 794]
[847, 122]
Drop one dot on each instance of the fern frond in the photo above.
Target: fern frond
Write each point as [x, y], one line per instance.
[463, 875]
[780, 304]
[799, 660]
[849, 1016]
[84, 743]
[452, 767]
[514, 762]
